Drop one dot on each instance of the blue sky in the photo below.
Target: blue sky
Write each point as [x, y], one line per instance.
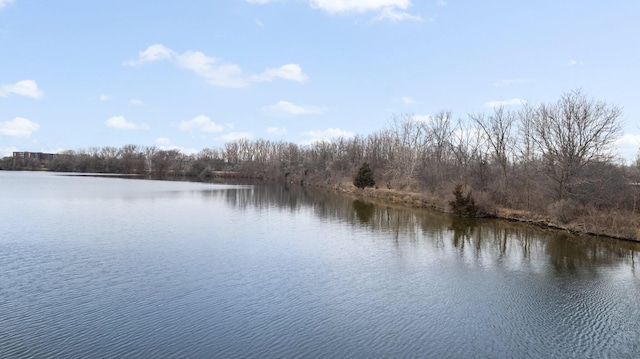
[194, 74]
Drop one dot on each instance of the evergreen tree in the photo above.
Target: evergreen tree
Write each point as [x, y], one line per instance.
[463, 205]
[364, 177]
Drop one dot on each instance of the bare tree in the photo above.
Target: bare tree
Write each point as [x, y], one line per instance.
[149, 154]
[231, 153]
[465, 142]
[497, 130]
[572, 133]
[131, 159]
[109, 155]
[409, 140]
[526, 150]
[439, 130]
[167, 162]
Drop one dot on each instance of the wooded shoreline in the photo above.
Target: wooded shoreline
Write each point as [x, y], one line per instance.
[383, 196]
[549, 165]
[419, 200]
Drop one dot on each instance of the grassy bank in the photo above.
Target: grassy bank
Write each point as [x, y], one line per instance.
[612, 224]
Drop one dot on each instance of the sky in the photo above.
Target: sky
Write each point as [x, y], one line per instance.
[195, 74]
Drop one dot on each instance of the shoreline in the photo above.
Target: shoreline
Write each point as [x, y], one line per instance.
[420, 200]
[393, 196]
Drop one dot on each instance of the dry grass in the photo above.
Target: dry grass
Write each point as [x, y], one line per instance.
[615, 224]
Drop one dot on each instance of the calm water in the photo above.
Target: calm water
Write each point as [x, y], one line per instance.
[108, 267]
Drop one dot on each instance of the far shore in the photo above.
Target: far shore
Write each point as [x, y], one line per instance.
[391, 196]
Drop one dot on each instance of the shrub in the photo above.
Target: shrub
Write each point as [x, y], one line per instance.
[462, 205]
[565, 210]
[364, 177]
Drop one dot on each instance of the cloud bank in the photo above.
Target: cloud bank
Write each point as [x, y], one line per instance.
[28, 88]
[285, 107]
[121, 123]
[216, 71]
[325, 135]
[391, 10]
[201, 123]
[628, 147]
[511, 102]
[358, 6]
[277, 130]
[18, 127]
[234, 136]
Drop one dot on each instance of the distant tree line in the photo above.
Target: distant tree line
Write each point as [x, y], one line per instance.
[553, 159]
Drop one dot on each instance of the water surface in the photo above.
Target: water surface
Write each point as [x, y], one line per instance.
[110, 267]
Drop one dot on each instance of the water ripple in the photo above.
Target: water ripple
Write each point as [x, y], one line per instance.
[139, 274]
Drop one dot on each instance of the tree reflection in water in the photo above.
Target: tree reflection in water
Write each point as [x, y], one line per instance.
[364, 211]
[480, 240]
[463, 230]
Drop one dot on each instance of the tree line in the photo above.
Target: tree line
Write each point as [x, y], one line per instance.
[553, 159]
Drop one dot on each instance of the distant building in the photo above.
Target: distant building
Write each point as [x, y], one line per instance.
[33, 155]
[32, 160]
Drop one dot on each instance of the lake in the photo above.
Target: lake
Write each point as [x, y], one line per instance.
[105, 267]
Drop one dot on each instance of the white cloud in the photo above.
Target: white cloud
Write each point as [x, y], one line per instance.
[441, 3]
[136, 102]
[325, 135]
[152, 53]
[507, 82]
[18, 127]
[187, 150]
[422, 118]
[166, 145]
[28, 88]
[4, 3]
[277, 130]
[104, 97]
[291, 109]
[163, 141]
[291, 72]
[393, 15]
[359, 6]
[573, 62]
[511, 102]
[232, 136]
[216, 71]
[7, 151]
[628, 146]
[121, 123]
[392, 10]
[406, 100]
[202, 123]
